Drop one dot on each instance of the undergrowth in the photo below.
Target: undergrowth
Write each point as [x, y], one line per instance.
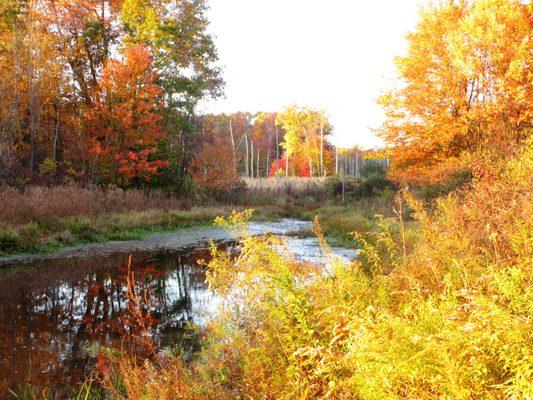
[442, 311]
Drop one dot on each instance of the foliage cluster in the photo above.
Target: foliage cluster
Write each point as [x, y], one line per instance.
[466, 93]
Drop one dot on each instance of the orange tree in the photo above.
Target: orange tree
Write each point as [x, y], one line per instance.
[123, 124]
[467, 77]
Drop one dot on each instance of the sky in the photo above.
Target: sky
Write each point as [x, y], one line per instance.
[335, 55]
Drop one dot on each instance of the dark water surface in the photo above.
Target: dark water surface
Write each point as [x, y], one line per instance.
[55, 313]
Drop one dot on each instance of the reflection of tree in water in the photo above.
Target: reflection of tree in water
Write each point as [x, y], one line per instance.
[51, 314]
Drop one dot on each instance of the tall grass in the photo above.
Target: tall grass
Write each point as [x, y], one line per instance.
[286, 187]
[48, 204]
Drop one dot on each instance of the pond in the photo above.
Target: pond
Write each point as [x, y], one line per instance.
[55, 312]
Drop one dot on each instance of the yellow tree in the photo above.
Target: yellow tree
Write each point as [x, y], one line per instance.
[466, 80]
[305, 139]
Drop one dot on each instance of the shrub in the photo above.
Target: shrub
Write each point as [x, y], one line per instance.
[8, 240]
[83, 229]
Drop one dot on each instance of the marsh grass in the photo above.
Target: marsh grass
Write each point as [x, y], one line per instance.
[46, 205]
[277, 187]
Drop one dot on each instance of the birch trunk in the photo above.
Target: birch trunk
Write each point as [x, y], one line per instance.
[257, 175]
[322, 149]
[252, 158]
[233, 148]
[246, 171]
[267, 168]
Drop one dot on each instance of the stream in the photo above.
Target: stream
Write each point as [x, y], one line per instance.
[56, 310]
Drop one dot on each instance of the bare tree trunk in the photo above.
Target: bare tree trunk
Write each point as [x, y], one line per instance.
[322, 149]
[57, 137]
[343, 181]
[233, 147]
[13, 124]
[246, 171]
[258, 175]
[287, 162]
[252, 158]
[267, 168]
[307, 146]
[277, 144]
[357, 163]
[336, 160]
[32, 98]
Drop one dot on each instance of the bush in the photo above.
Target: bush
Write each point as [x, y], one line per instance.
[233, 193]
[8, 240]
[83, 230]
[358, 188]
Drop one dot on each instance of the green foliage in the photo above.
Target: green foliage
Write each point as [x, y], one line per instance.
[48, 166]
[83, 229]
[373, 169]
[8, 240]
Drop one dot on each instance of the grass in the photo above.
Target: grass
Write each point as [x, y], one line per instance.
[286, 187]
[46, 205]
[46, 237]
[43, 220]
[34, 237]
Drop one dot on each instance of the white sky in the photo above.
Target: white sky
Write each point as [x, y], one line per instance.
[336, 55]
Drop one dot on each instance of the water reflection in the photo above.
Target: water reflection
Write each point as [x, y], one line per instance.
[52, 314]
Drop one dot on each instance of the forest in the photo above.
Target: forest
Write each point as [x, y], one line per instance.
[152, 251]
[97, 92]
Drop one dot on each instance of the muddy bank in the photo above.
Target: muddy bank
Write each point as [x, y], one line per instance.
[168, 241]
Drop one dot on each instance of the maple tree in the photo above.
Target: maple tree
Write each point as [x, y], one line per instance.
[123, 124]
[467, 79]
[266, 136]
[185, 60]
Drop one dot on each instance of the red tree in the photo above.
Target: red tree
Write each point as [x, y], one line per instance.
[123, 124]
[213, 165]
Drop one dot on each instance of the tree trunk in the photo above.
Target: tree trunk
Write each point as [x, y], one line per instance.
[257, 175]
[13, 124]
[267, 168]
[233, 148]
[343, 182]
[246, 171]
[277, 144]
[57, 137]
[32, 126]
[252, 158]
[357, 163]
[286, 162]
[322, 149]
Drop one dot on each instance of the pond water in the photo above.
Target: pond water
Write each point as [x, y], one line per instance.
[54, 313]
